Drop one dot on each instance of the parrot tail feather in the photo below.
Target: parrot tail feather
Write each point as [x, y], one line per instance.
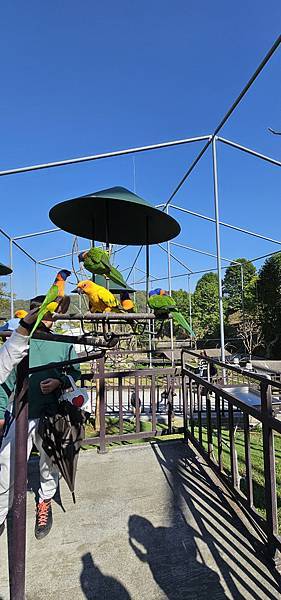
[116, 276]
[40, 316]
[180, 320]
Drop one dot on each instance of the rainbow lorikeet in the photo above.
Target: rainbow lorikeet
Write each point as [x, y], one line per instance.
[53, 297]
[100, 299]
[164, 305]
[96, 260]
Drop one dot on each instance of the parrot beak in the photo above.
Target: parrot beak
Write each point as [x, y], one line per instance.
[76, 291]
[81, 256]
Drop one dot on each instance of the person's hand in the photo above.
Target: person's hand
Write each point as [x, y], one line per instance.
[49, 385]
[2, 423]
[29, 319]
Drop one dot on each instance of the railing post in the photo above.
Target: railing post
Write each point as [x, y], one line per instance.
[219, 435]
[153, 405]
[209, 426]
[269, 467]
[137, 409]
[233, 453]
[199, 421]
[248, 463]
[184, 407]
[100, 364]
[120, 404]
[17, 555]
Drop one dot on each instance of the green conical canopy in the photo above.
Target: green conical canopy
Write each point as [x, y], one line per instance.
[113, 287]
[115, 216]
[5, 270]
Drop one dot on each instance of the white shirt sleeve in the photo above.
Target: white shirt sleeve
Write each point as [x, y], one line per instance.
[11, 353]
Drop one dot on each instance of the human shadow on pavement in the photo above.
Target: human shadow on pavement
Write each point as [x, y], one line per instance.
[97, 586]
[170, 553]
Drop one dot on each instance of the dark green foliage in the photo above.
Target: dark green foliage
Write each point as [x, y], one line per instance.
[269, 292]
[205, 306]
[232, 285]
[4, 301]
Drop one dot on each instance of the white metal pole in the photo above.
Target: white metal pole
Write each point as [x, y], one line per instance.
[216, 199]
[36, 277]
[190, 302]
[11, 280]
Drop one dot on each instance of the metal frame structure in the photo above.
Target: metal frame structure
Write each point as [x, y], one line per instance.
[211, 140]
[18, 575]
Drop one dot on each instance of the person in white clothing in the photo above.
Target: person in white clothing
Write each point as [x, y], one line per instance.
[15, 348]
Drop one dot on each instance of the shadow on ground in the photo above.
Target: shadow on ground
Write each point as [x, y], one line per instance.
[170, 553]
[236, 554]
[95, 585]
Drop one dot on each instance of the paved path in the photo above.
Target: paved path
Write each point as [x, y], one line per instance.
[149, 524]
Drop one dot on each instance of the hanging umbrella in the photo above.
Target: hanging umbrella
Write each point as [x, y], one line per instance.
[62, 436]
[5, 270]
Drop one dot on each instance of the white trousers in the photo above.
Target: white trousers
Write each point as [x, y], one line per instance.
[49, 475]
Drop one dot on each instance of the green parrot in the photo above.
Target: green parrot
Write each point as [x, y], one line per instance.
[52, 298]
[164, 305]
[96, 260]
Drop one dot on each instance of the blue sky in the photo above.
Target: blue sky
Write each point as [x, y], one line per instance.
[88, 77]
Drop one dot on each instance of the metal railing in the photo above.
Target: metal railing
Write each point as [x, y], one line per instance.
[154, 390]
[208, 409]
[211, 412]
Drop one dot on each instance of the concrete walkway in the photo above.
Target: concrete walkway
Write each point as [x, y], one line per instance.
[149, 524]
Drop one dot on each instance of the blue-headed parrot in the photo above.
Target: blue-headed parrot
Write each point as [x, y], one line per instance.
[164, 306]
[53, 297]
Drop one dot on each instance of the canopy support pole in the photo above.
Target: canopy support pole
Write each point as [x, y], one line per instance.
[218, 245]
[147, 269]
[170, 292]
[11, 279]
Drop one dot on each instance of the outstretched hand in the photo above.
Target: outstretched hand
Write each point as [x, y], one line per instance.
[29, 319]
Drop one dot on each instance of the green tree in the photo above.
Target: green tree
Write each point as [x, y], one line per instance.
[232, 286]
[269, 291]
[205, 306]
[4, 302]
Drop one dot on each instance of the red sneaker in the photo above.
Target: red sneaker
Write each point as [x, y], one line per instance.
[44, 519]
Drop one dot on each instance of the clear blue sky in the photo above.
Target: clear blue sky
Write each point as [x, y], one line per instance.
[88, 77]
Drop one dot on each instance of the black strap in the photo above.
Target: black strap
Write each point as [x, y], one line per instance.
[6, 389]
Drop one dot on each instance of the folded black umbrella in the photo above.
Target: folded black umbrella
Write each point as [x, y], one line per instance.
[62, 435]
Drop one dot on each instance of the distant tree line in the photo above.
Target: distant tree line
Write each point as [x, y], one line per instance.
[251, 301]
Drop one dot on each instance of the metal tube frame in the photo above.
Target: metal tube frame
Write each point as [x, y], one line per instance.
[216, 200]
[211, 140]
[229, 225]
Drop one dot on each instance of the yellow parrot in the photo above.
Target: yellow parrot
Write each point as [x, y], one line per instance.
[20, 313]
[100, 299]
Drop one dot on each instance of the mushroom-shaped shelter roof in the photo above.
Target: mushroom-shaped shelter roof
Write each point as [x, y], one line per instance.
[115, 215]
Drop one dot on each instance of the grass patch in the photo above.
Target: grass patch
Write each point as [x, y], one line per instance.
[257, 463]
[129, 426]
